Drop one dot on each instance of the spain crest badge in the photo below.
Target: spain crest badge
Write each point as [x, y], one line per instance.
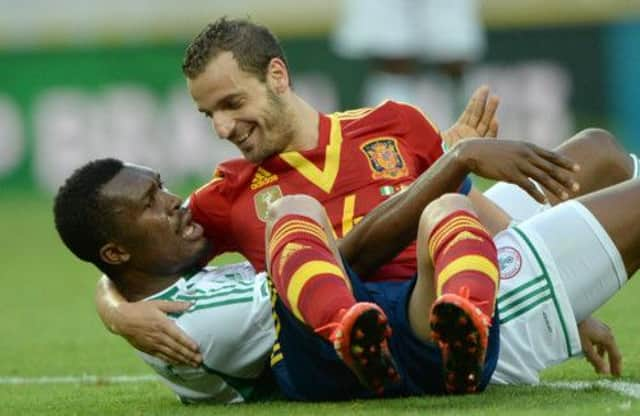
[264, 198]
[385, 160]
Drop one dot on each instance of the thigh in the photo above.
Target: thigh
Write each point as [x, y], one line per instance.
[514, 201]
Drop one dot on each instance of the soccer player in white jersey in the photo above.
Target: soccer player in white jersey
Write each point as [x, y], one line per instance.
[150, 237]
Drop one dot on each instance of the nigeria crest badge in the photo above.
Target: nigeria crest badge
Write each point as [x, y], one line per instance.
[264, 198]
[385, 159]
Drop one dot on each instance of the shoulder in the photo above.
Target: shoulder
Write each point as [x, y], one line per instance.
[228, 179]
[389, 117]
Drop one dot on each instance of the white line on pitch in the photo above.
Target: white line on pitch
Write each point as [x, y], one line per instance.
[626, 388]
[84, 379]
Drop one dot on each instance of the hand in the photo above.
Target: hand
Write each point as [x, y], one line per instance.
[518, 162]
[146, 327]
[477, 120]
[597, 342]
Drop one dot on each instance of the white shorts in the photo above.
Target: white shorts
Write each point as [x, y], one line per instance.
[515, 201]
[556, 266]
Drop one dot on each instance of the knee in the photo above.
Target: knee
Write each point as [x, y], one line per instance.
[604, 145]
[440, 208]
[302, 205]
[606, 153]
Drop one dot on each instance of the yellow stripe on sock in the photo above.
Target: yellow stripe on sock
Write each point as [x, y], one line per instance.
[438, 237]
[450, 226]
[300, 226]
[276, 358]
[470, 262]
[464, 235]
[305, 273]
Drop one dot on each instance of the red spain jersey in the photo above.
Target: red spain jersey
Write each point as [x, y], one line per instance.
[362, 158]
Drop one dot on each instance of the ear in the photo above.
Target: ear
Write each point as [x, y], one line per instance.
[278, 76]
[113, 254]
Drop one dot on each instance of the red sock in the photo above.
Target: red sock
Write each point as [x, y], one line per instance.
[305, 272]
[465, 259]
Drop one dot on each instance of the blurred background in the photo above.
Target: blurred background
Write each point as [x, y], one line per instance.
[81, 79]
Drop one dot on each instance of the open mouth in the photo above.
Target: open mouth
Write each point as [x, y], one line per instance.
[190, 230]
[241, 140]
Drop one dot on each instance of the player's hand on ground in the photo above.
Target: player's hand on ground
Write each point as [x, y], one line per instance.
[477, 120]
[519, 162]
[146, 327]
[599, 347]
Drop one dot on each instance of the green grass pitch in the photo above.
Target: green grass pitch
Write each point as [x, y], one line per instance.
[49, 328]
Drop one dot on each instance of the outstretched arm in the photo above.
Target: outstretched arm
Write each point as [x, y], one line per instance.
[145, 325]
[391, 226]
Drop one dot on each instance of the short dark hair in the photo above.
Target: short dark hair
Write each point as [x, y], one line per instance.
[82, 216]
[253, 46]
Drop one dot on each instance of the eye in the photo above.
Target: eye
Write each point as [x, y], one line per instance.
[206, 114]
[235, 104]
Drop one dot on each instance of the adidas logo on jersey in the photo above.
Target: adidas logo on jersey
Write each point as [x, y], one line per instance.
[262, 178]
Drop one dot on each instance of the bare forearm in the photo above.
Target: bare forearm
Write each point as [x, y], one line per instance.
[108, 298]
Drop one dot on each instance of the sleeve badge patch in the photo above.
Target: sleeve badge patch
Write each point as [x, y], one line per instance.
[264, 198]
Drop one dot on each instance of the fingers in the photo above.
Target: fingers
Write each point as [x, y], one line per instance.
[477, 105]
[556, 158]
[488, 115]
[168, 306]
[493, 128]
[167, 354]
[615, 357]
[563, 176]
[596, 361]
[547, 181]
[529, 187]
[177, 352]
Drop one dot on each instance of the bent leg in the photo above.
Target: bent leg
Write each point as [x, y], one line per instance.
[312, 283]
[617, 209]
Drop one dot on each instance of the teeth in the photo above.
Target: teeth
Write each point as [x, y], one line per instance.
[245, 136]
[188, 230]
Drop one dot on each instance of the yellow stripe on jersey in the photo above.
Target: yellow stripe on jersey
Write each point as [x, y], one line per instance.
[325, 178]
[469, 262]
[352, 114]
[215, 179]
[347, 213]
[449, 228]
[305, 273]
[296, 226]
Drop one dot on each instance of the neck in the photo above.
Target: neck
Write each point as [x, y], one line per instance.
[135, 285]
[306, 121]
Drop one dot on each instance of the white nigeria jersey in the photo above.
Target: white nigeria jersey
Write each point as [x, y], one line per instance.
[231, 321]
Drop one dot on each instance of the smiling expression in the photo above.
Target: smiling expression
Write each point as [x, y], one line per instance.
[248, 112]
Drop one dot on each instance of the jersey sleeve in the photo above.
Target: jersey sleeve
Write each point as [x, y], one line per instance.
[211, 207]
[232, 342]
[423, 136]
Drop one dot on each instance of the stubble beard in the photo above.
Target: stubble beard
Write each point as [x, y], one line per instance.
[278, 127]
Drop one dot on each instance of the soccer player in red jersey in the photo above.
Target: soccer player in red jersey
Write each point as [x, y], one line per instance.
[349, 161]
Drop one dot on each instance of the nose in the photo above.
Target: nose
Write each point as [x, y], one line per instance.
[173, 202]
[222, 124]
